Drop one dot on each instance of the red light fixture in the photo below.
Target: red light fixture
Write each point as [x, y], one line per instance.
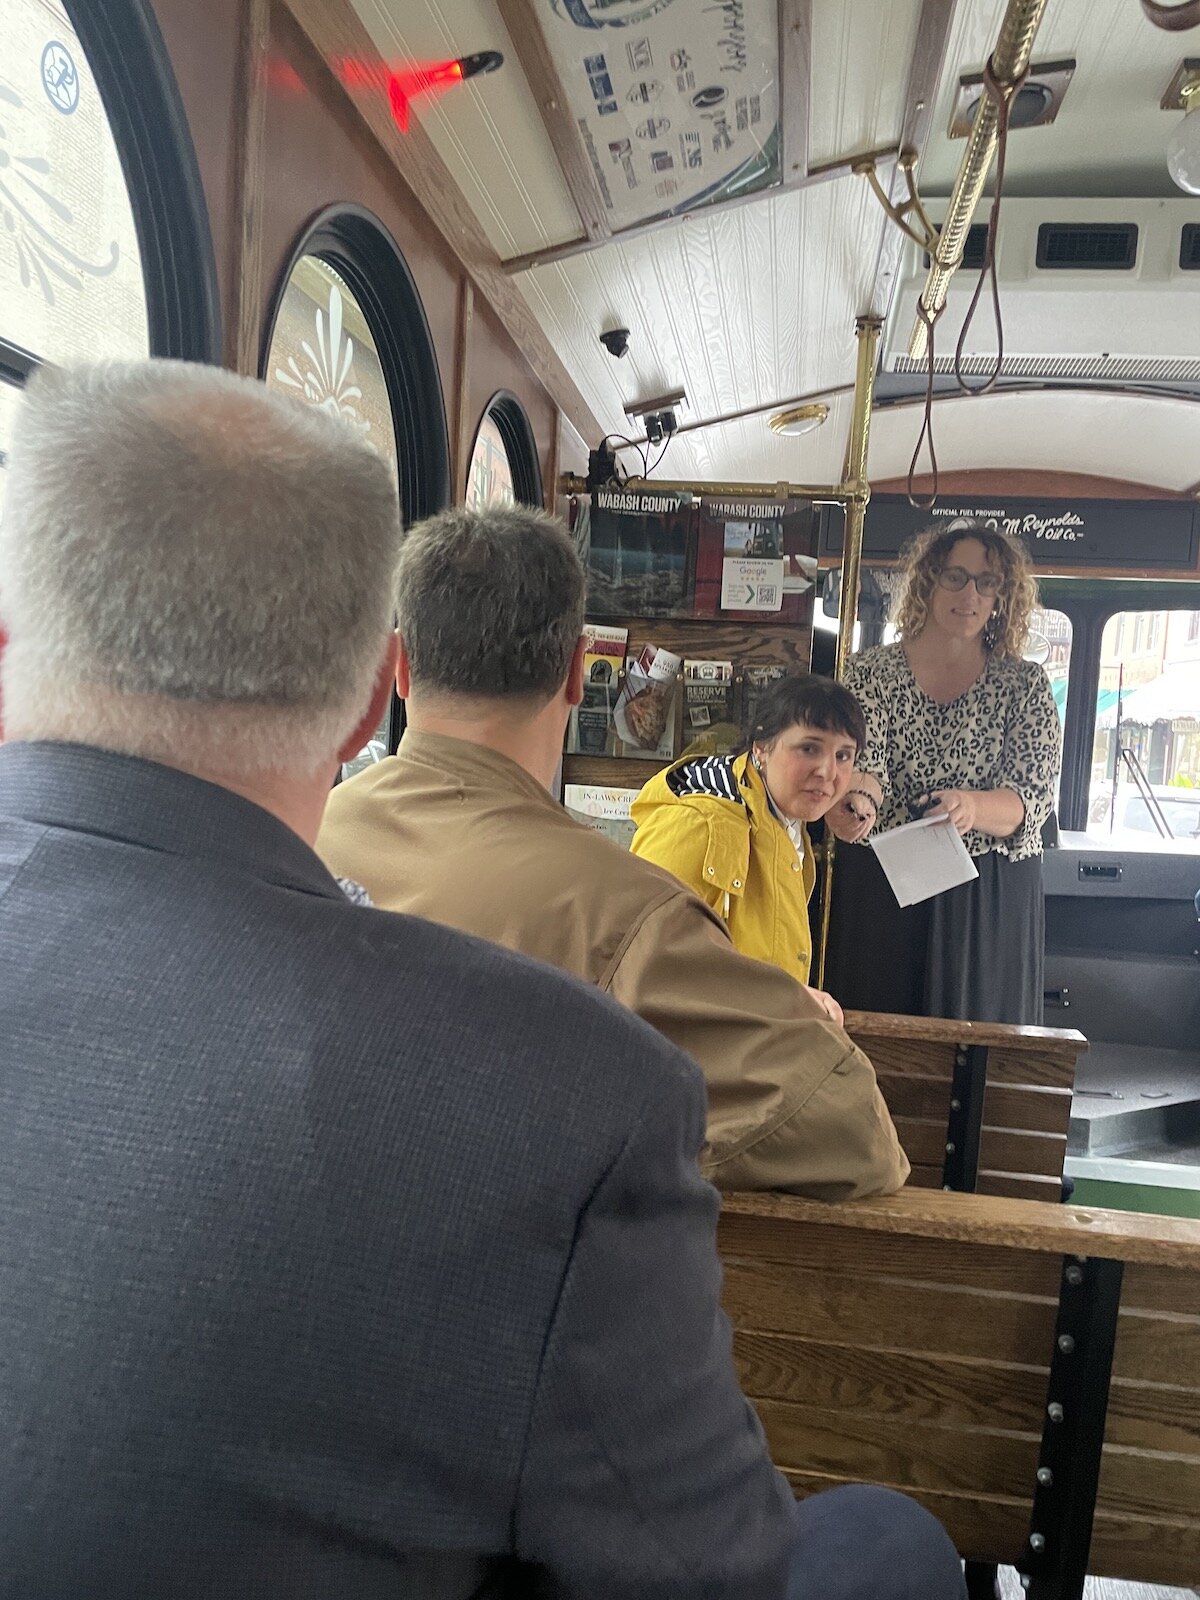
[432, 77]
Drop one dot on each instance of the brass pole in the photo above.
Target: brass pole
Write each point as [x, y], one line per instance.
[1009, 61]
[867, 331]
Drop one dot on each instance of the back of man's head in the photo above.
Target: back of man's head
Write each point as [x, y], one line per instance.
[192, 566]
[490, 604]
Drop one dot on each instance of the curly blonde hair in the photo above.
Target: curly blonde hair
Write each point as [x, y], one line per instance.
[1007, 632]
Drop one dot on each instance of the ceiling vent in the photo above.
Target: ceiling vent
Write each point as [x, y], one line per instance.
[1094, 290]
[1087, 246]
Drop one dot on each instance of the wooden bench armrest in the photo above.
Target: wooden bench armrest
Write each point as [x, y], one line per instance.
[991, 1220]
[1068, 1042]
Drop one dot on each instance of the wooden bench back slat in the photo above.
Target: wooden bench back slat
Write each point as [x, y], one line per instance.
[1145, 1549]
[916, 1258]
[1160, 1289]
[888, 1452]
[1005, 1106]
[1000, 1149]
[941, 1319]
[1011, 1185]
[1026, 1106]
[896, 1385]
[908, 1340]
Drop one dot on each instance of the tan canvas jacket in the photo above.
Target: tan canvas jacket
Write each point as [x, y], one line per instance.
[462, 835]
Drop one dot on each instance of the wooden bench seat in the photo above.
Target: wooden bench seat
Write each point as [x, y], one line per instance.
[918, 1341]
[981, 1107]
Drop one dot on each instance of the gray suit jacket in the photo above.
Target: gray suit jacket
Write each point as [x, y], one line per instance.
[340, 1255]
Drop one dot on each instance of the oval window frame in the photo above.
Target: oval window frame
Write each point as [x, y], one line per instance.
[357, 245]
[129, 60]
[516, 430]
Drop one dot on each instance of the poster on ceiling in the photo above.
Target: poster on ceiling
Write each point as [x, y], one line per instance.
[677, 102]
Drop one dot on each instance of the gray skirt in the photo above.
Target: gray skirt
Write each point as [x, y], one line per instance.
[976, 952]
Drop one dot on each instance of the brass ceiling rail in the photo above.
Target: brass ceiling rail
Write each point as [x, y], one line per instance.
[1009, 63]
[846, 494]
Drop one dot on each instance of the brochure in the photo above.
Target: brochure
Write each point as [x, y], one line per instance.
[709, 723]
[604, 810]
[754, 681]
[646, 708]
[590, 731]
[923, 858]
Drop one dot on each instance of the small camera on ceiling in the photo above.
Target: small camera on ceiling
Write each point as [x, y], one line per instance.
[615, 341]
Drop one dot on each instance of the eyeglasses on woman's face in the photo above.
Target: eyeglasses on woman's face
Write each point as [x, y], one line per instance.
[988, 583]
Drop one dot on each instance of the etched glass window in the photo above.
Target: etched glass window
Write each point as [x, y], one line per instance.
[490, 475]
[10, 399]
[70, 274]
[323, 351]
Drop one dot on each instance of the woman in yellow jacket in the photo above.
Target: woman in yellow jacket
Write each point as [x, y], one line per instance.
[732, 827]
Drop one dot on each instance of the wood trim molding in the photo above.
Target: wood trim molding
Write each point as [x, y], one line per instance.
[243, 338]
[795, 87]
[550, 482]
[337, 33]
[464, 422]
[920, 93]
[520, 17]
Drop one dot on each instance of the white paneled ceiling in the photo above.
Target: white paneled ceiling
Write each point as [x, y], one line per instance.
[705, 313]
[755, 305]
[1148, 439]
[861, 50]
[487, 131]
[1110, 136]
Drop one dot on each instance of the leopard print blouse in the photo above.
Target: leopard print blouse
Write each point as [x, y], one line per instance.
[1003, 733]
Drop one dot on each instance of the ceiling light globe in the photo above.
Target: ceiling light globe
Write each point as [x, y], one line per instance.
[799, 419]
[1183, 148]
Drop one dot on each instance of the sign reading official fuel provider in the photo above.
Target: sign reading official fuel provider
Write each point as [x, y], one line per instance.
[1058, 533]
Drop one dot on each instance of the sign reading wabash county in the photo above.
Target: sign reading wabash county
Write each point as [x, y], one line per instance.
[676, 101]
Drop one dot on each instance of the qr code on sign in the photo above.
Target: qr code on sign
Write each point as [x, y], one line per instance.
[768, 594]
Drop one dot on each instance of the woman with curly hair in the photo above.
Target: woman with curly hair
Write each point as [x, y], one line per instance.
[958, 724]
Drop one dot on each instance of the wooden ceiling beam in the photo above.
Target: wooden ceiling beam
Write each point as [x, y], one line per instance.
[520, 17]
[337, 34]
[795, 88]
[920, 95]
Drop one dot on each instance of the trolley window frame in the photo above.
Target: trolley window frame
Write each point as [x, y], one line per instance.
[360, 249]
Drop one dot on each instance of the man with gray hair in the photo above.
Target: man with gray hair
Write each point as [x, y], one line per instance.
[285, 1308]
[460, 827]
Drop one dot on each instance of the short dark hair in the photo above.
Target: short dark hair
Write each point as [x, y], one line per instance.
[804, 697]
[490, 603]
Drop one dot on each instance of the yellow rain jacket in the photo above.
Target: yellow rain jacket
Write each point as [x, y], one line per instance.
[709, 822]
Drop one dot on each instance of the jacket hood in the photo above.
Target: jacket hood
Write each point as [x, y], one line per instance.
[717, 789]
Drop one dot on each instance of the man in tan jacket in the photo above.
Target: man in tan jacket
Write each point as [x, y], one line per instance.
[459, 827]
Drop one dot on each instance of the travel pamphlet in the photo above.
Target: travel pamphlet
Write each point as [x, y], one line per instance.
[590, 731]
[709, 723]
[645, 716]
[603, 809]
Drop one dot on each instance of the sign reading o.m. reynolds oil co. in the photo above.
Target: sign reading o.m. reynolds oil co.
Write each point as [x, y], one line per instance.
[1162, 534]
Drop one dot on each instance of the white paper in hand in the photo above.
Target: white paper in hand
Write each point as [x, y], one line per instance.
[923, 858]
